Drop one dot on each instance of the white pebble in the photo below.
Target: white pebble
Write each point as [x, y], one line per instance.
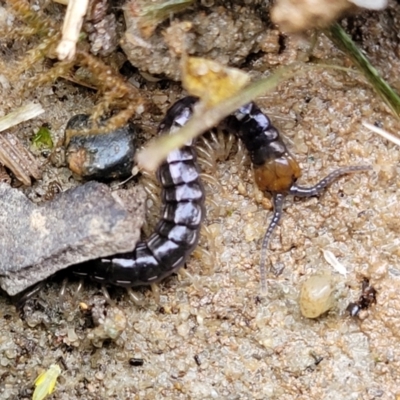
[316, 296]
[334, 262]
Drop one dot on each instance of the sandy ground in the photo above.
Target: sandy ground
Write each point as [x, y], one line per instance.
[210, 335]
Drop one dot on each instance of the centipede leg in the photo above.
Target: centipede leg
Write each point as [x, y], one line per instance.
[135, 297]
[28, 294]
[302, 191]
[156, 292]
[107, 296]
[278, 199]
[194, 281]
[78, 290]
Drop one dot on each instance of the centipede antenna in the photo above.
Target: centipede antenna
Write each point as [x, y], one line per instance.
[302, 191]
[278, 199]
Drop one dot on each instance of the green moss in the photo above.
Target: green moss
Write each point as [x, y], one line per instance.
[42, 139]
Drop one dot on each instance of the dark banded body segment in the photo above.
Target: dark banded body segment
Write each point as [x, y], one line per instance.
[192, 191]
[275, 169]
[177, 233]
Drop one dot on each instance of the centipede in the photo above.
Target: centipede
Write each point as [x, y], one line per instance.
[275, 170]
[177, 233]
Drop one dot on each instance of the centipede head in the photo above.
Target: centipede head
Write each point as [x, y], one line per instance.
[277, 175]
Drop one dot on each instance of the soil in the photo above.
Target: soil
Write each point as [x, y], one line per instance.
[208, 333]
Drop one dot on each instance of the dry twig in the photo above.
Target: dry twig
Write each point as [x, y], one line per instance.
[76, 11]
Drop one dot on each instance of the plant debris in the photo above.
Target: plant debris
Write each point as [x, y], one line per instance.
[298, 16]
[42, 139]
[341, 39]
[366, 299]
[73, 21]
[46, 382]
[21, 114]
[18, 159]
[383, 133]
[147, 15]
[211, 81]
[204, 119]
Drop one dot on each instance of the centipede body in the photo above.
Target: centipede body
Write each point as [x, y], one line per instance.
[275, 170]
[177, 233]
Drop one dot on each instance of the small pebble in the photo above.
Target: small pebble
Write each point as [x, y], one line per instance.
[316, 296]
[110, 323]
[136, 362]
[99, 375]
[183, 330]
[100, 156]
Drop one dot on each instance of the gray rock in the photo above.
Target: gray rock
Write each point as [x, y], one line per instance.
[80, 224]
[221, 34]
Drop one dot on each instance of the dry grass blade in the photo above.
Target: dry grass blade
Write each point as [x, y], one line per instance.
[383, 133]
[73, 21]
[21, 114]
[150, 14]
[204, 119]
[13, 154]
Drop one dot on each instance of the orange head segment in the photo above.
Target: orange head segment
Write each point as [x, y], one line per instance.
[277, 175]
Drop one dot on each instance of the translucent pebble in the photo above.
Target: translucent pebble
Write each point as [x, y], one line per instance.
[334, 262]
[316, 296]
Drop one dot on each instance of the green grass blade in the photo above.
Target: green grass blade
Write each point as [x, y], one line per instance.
[342, 40]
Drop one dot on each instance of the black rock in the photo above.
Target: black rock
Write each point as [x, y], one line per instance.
[101, 156]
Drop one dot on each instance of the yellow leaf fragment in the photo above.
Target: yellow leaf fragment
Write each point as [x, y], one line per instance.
[45, 382]
[205, 118]
[210, 80]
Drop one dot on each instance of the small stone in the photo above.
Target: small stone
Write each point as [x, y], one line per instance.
[110, 322]
[72, 336]
[4, 362]
[183, 329]
[102, 156]
[78, 225]
[10, 353]
[99, 375]
[316, 296]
